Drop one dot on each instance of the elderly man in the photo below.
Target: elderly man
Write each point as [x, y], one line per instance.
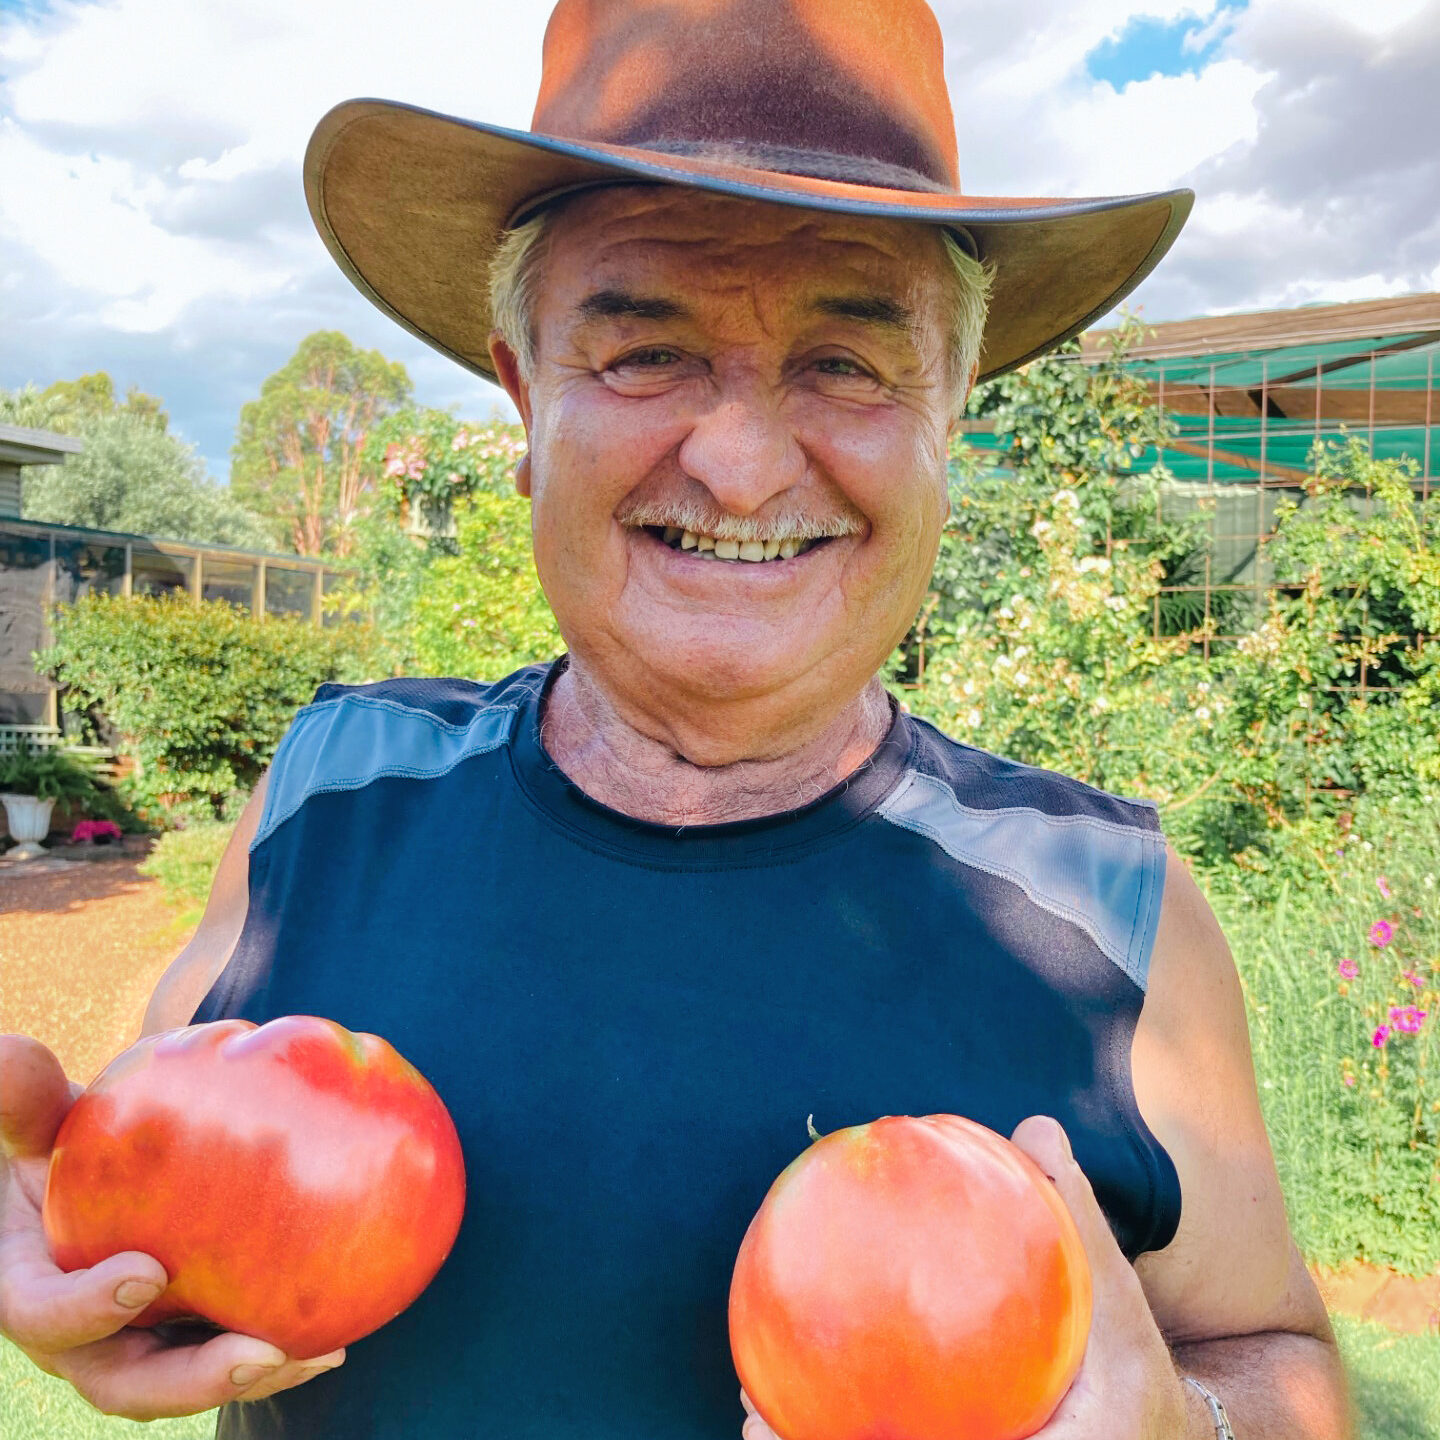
[639, 912]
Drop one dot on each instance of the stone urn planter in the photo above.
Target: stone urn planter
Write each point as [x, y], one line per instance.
[29, 822]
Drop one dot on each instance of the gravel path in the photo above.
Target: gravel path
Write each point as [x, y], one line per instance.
[81, 947]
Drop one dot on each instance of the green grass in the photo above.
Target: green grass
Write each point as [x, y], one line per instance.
[1396, 1380]
[36, 1406]
[1355, 1185]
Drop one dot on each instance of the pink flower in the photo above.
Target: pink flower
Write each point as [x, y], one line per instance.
[1379, 1038]
[1350, 1081]
[1414, 979]
[95, 830]
[1349, 969]
[1381, 933]
[1407, 1018]
[1383, 886]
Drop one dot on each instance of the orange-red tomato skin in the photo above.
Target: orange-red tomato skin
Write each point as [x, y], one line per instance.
[297, 1182]
[911, 1279]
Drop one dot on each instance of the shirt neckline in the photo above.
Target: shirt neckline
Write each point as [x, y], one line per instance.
[729, 843]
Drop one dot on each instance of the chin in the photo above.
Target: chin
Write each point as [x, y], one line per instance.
[722, 674]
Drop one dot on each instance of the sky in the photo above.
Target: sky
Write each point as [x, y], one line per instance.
[152, 221]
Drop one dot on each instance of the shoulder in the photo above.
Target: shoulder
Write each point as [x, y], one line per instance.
[351, 735]
[1087, 856]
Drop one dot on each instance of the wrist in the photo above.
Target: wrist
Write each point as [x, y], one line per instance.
[1205, 1420]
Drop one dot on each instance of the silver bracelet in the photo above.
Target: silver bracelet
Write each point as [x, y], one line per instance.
[1217, 1410]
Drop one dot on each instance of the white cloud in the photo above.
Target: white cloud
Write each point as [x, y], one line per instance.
[152, 221]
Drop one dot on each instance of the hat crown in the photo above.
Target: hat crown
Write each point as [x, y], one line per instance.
[850, 90]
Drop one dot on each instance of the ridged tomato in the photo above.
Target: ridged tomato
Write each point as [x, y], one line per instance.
[913, 1278]
[298, 1182]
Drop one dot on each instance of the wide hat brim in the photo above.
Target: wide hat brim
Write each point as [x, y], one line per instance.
[412, 205]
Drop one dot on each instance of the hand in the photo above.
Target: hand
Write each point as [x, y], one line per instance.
[1128, 1387]
[73, 1325]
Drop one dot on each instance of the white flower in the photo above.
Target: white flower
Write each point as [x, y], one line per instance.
[1003, 662]
[1202, 714]
[968, 688]
[1024, 622]
[1066, 497]
[973, 719]
[1094, 562]
[1021, 651]
[1203, 687]
[1429, 882]
[1101, 703]
[1021, 678]
[1115, 602]
[1041, 528]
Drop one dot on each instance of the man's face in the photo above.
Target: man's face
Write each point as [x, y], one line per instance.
[749, 373]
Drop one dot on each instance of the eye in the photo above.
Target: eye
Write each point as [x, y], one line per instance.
[655, 357]
[841, 365]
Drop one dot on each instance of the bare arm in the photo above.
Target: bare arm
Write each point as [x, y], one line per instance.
[1230, 1293]
[197, 967]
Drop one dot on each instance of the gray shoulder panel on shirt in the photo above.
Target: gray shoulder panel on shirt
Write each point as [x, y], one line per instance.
[1105, 877]
[347, 742]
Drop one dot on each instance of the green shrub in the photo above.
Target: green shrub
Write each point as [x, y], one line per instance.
[48, 775]
[481, 613]
[198, 695]
[185, 861]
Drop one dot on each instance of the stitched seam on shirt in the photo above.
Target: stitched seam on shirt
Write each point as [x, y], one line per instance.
[407, 772]
[1044, 816]
[1057, 908]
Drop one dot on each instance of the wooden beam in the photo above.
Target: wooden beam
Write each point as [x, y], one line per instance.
[1277, 329]
[1392, 407]
[1241, 462]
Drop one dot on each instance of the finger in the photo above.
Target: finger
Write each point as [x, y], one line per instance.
[34, 1096]
[1044, 1140]
[43, 1308]
[293, 1373]
[138, 1376]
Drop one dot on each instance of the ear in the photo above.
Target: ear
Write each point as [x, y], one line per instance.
[959, 412]
[507, 371]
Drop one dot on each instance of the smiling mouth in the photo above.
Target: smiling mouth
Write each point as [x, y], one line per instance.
[707, 547]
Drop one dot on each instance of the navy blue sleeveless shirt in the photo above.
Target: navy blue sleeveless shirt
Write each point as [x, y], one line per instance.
[630, 1024]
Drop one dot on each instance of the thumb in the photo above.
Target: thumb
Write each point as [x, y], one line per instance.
[34, 1097]
[1044, 1140]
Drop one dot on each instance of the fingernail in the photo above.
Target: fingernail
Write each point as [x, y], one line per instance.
[311, 1371]
[134, 1294]
[243, 1375]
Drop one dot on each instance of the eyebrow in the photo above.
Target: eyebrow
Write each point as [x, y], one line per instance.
[622, 305]
[868, 309]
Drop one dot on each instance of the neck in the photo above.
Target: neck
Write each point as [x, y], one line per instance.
[634, 765]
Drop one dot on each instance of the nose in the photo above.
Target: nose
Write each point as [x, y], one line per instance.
[742, 451]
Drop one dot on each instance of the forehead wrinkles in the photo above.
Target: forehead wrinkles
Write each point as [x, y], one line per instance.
[716, 243]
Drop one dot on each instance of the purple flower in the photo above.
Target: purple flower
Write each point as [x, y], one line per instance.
[1414, 979]
[1349, 969]
[1379, 1038]
[1407, 1018]
[1383, 886]
[1381, 933]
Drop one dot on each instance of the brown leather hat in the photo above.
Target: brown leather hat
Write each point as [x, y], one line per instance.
[827, 104]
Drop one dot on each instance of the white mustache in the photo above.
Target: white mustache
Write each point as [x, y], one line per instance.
[723, 526]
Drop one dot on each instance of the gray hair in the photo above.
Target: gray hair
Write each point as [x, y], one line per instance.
[515, 271]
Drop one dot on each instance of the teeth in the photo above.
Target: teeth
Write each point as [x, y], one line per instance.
[752, 550]
[772, 549]
[787, 549]
[706, 542]
[707, 547]
[727, 550]
[687, 540]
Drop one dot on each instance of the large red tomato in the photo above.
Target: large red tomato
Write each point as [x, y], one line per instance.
[919, 1279]
[298, 1182]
